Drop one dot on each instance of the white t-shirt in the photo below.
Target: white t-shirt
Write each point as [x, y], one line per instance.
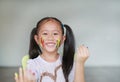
[47, 71]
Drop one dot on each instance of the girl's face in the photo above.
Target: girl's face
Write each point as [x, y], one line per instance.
[50, 36]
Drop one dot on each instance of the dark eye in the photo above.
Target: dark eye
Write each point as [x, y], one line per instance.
[55, 33]
[44, 33]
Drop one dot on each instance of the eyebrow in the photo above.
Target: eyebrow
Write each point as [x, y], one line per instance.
[52, 30]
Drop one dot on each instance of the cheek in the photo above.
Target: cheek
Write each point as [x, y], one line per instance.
[58, 41]
[42, 41]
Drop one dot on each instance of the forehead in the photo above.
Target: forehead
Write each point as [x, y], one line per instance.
[50, 25]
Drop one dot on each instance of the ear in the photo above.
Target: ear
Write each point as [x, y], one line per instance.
[63, 39]
[36, 39]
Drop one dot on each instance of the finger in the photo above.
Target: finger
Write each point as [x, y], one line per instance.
[33, 77]
[87, 51]
[16, 77]
[29, 74]
[82, 50]
[20, 74]
[25, 74]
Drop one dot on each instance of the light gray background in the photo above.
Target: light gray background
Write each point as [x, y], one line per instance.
[96, 23]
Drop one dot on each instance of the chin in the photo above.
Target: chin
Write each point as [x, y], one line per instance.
[51, 49]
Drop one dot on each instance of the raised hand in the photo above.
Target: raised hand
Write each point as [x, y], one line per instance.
[82, 54]
[25, 76]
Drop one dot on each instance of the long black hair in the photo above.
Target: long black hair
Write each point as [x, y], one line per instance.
[69, 45]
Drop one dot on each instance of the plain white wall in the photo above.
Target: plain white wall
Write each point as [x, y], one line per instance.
[96, 23]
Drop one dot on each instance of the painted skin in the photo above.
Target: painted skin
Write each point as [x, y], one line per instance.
[57, 42]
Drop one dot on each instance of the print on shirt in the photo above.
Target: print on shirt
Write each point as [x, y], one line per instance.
[53, 77]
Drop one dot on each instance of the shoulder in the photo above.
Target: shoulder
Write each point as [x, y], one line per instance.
[34, 63]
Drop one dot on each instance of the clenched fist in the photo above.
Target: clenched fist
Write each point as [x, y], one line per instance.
[82, 54]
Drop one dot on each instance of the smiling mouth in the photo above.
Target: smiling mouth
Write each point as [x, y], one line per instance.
[51, 44]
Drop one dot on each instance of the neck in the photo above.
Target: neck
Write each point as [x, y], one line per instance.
[50, 57]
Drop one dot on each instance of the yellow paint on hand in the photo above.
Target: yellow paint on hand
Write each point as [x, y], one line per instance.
[24, 61]
[16, 75]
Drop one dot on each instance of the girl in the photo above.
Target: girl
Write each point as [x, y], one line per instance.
[45, 63]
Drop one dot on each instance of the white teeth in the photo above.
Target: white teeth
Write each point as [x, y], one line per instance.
[50, 44]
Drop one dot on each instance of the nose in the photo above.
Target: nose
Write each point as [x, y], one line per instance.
[50, 37]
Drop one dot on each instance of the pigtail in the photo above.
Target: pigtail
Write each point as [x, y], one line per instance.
[68, 52]
[34, 49]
